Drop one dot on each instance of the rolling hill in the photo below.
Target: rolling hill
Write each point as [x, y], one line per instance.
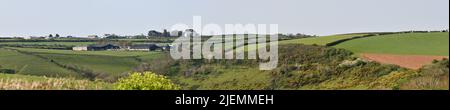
[67, 63]
[436, 44]
[31, 65]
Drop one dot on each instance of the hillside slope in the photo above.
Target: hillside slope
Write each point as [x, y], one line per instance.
[300, 67]
[436, 44]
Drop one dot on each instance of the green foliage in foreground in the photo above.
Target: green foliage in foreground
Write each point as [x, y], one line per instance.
[145, 81]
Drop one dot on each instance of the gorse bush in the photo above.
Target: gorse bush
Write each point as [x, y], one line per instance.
[145, 81]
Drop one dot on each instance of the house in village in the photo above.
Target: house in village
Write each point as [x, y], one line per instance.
[154, 33]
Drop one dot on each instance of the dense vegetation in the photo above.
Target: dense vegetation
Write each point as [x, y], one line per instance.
[430, 77]
[300, 67]
[145, 81]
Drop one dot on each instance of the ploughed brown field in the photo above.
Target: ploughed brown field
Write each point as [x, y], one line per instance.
[406, 61]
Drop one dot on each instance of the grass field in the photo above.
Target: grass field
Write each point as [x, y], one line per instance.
[111, 63]
[320, 40]
[25, 82]
[403, 44]
[30, 65]
[310, 41]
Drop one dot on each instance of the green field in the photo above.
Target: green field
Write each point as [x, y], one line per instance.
[307, 41]
[110, 65]
[41, 62]
[320, 40]
[31, 65]
[405, 44]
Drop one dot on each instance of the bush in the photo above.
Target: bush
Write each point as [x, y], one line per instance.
[145, 81]
[431, 77]
[8, 71]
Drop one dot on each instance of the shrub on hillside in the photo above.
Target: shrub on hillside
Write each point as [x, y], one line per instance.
[8, 71]
[431, 77]
[145, 81]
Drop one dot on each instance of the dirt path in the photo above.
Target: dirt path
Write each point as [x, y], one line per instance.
[407, 61]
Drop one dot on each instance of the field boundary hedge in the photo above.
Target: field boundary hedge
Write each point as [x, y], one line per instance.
[86, 73]
[334, 43]
[372, 35]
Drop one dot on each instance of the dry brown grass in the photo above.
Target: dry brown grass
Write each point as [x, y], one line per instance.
[432, 77]
[50, 84]
[428, 83]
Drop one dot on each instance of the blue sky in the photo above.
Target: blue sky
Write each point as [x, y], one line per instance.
[130, 17]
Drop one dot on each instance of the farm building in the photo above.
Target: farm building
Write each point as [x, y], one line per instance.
[144, 47]
[135, 47]
[103, 47]
[96, 47]
[81, 48]
[33, 37]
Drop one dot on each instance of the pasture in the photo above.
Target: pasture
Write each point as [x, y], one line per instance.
[54, 63]
[436, 44]
[31, 65]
